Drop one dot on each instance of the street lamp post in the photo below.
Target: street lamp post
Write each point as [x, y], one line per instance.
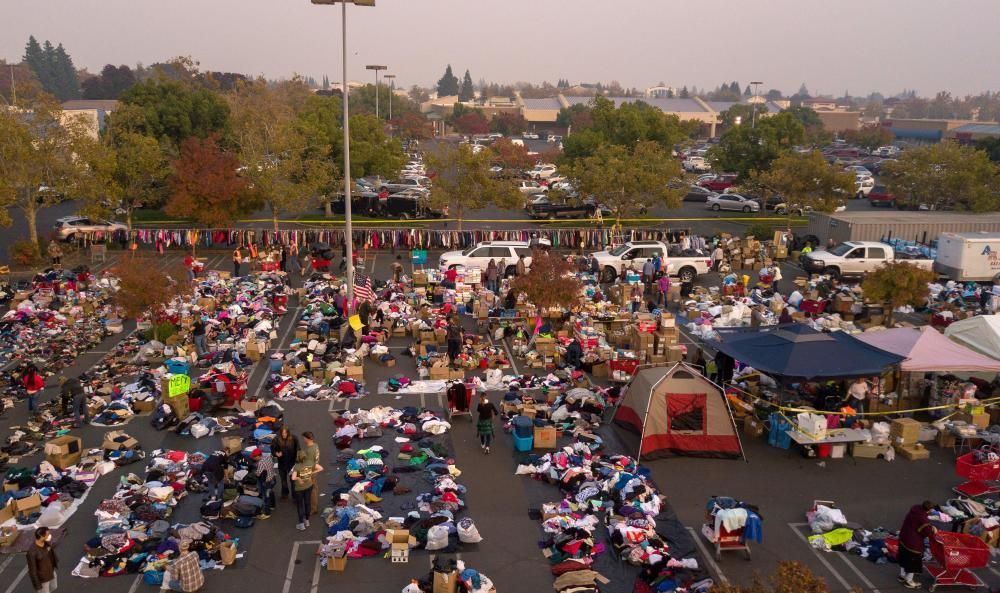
[348, 229]
[376, 69]
[756, 90]
[392, 89]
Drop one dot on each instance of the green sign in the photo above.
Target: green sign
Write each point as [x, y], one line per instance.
[178, 385]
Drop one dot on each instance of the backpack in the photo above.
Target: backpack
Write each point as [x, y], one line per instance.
[243, 522]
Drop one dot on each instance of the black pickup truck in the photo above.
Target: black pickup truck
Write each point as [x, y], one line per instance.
[553, 211]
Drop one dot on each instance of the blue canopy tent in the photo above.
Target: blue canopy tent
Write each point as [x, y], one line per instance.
[797, 351]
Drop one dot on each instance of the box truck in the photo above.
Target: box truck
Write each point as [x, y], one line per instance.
[971, 256]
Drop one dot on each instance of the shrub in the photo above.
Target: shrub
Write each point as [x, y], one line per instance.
[161, 331]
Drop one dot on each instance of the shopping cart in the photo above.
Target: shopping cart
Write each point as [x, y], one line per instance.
[956, 554]
[978, 473]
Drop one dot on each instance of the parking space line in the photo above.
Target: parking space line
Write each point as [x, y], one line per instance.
[6, 562]
[17, 580]
[315, 581]
[291, 563]
[708, 557]
[135, 584]
[840, 579]
[846, 560]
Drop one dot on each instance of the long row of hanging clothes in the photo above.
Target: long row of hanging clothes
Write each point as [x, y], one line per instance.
[375, 238]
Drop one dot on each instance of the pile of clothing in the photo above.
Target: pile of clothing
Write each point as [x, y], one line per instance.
[616, 486]
[731, 515]
[134, 534]
[59, 492]
[56, 317]
[316, 370]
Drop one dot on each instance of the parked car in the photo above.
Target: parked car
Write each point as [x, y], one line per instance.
[854, 258]
[480, 254]
[686, 268]
[697, 193]
[549, 211]
[880, 196]
[543, 172]
[718, 183]
[530, 136]
[421, 184]
[527, 186]
[863, 186]
[732, 202]
[696, 164]
[68, 227]
[409, 204]
[797, 210]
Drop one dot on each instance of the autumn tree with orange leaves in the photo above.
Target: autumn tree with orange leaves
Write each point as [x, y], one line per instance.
[206, 185]
[146, 288]
[549, 283]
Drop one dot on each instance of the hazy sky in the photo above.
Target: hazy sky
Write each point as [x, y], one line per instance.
[832, 46]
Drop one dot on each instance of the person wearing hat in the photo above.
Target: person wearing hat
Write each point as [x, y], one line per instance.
[42, 562]
[916, 527]
[267, 478]
[184, 574]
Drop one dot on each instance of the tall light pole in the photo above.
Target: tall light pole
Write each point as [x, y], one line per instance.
[756, 90]
[376, 69]
[348, 229]
[392, 88]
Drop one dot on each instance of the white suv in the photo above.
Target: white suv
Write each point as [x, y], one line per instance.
[479, 255]
[684, 267]
[543, 172]
[526, 186]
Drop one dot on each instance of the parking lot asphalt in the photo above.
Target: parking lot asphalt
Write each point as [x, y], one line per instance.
[279, 558]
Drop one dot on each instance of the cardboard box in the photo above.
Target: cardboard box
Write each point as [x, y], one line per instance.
[355, 372]
[905, 431]
[545, 437]
[180, 405]
[232, 445]
[456, 375]
[110, 444]
[445, 582]
[7, 512]
[207, 304]
[980, 421]
[8, 535]
[336, 564]
[753, 427]
[439, 373]
[400, 542]
[26, 506]
[63, 451]
[675, 353]
[251, 405]
[144, 406]
[913, 452]
[945, 439]
[600, 369]
[868, 450]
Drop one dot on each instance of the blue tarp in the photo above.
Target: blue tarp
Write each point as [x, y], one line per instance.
[797, 351]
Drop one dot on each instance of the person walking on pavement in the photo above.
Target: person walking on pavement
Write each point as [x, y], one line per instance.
[302, 487]
[215, 474]
[522, 268]
[285, 447]
[311, 450]
[198, 332]
[304, 260]
[237, 262]
[33, 384]
[72, 391]
[916, 527]
[454, 336]
[484, 427]
[42, 562]
[267, 478]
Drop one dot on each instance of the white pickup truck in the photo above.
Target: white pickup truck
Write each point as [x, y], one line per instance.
[686, 268]
[855, 258]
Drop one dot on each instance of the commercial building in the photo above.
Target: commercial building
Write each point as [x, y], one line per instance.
[925, 130]
[922, 227]
[93, 113]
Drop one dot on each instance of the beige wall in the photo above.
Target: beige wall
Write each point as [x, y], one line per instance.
[839, 121]
[87, 118]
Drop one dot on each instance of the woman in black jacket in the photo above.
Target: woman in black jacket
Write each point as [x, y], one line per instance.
[284, 447]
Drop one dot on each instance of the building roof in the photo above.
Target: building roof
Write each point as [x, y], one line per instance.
[102, 104]
[548, 103]
[664, 104]
[993, 129]
[721, 106]
[862, 216]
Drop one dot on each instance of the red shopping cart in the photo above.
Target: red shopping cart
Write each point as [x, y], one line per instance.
[956, 554]
[978, 467]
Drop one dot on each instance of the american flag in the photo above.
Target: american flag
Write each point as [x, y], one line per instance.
[363, 287]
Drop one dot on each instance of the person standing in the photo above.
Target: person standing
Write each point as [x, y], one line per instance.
[491, 276]
[55, 253]
[215, 474]
[42, 562]
[285, 448]
[397, 270]
[302, 487]
[717, 256]
[304, 259]
[522, 268]
[916, 527]
[636, 297]
[648, 269]
[595, 267]
[484, 427]
[454, 336]
[857, 393]
[189, 266]
[33, 384]
[657, 264]
[283, 263]
[267, 478]
[311, 450]
[74, 389]
[663, 292]
[198, 332]
[237, 262]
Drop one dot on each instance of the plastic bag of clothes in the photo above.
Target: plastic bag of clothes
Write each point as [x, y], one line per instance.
[467, 532]
[437, 537]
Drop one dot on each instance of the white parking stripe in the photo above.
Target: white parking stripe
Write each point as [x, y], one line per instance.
[707, 555]
[315, 581]
[291, 563]
[870, 587]
[3, 566]
[17, 580]
[840, 579]
[135, 584]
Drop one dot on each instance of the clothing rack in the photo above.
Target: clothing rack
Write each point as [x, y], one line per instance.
[377, 238]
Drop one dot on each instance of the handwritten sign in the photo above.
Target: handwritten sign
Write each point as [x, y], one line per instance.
[178, 385]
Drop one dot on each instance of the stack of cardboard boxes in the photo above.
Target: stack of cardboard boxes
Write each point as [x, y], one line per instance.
[905, 434]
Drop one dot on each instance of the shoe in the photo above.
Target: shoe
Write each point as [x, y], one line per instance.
[911, 584]
[487, 450]
[307, 522]
[263, 516]
[301, 527]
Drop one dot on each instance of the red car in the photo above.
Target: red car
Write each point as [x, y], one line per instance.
[880, 196]
[719, 183]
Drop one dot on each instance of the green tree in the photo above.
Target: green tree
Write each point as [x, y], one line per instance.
[627, 125]
[467, 92]
[126, 170]
[173, 111]
[448, 85]
[110, 83]
[509, 124]
[628, 182]
[899, 284]
[39, 150]
[944, 176]
[576, 116]
[744, 150]
[67, 84]
[807, 181]
[463, 182]
[285, 164]
[513, 157]
[991, 146]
